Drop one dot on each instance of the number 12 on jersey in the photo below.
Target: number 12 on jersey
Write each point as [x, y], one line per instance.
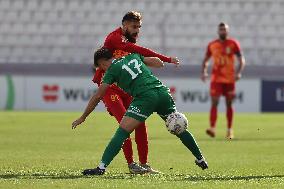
[131, 71]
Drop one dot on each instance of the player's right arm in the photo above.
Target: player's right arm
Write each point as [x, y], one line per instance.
[93, 102]
[205, 62]
[117, 42]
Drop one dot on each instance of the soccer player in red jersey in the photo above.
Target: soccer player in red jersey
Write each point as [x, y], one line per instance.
[224, 76]
[122, 42]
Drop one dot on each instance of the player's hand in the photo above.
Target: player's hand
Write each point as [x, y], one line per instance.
[77, 122]
[238, 76]
[175, 60]
[204, 77]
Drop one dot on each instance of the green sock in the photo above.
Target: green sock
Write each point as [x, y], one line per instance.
[114, 146]
[188, 140]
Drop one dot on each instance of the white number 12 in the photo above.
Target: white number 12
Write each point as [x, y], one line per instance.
[130, 71]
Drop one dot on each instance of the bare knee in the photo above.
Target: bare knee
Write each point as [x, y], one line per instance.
[129, 124]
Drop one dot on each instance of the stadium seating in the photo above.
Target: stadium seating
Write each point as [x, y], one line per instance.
[67, 31]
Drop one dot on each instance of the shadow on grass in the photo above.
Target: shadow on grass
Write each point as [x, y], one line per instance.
[240, 139]
[40, 176]
[127, 176]
[66, 176]
[227, 178]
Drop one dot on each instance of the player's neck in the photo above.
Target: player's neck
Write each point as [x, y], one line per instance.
[223, 40]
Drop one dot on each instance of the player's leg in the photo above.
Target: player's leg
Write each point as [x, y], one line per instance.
[115, 106]
[127, 125]
[131, 120]
[230, 95]
[141, 136]
[166, 107]
[141, 139]
[215, 92]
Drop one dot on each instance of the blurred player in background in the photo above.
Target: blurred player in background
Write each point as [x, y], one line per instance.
[122, 42]
[224, 76]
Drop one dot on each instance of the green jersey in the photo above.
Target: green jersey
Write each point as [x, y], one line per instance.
[131, 75]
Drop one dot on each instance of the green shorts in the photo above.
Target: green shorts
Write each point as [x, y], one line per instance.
[155, 100]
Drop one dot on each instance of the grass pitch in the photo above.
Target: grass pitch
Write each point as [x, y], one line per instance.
[39, 150]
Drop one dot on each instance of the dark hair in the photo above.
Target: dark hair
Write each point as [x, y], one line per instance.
[132, 16]
[223, 24]
[101, 53]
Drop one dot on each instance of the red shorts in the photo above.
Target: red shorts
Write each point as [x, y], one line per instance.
[225, 89]
[117, 102]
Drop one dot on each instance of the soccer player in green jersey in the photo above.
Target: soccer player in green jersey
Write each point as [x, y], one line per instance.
[132, 75]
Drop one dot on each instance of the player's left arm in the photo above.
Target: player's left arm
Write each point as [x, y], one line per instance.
[241, 61]
[154, 62]
[93, 102]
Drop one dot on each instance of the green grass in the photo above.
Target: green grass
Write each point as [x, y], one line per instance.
[39, 150]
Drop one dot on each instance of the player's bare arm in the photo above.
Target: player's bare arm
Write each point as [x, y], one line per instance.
[241, 66]
[93, 102]
[204, 70]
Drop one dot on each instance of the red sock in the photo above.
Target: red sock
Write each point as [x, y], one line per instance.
[141, 139]
[230, 113]
[127, 150]
[213, 116]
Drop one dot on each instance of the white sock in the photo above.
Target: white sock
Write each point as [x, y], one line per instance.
[102, 166]
[200, 160]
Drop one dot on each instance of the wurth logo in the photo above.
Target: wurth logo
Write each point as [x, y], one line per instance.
[50, 93]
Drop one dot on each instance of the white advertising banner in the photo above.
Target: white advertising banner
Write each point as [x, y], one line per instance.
[193, 95]
[73, 93]
[46, 93]
[59, 93]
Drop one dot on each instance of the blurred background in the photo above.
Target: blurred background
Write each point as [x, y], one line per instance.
[46, 49]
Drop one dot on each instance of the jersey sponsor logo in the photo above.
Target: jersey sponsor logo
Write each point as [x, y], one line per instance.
[119, 54]
[50, 93]
[228, 50]
[136, 111]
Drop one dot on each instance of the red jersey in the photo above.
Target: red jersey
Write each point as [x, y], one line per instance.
[223, 54]
[120, 46]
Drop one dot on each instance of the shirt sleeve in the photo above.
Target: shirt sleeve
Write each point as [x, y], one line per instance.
[208, 51]
[98, 76]
[117, 42]
[237, 48]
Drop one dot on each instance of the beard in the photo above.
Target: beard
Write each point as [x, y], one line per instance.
[223, 37]
[131, 37]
